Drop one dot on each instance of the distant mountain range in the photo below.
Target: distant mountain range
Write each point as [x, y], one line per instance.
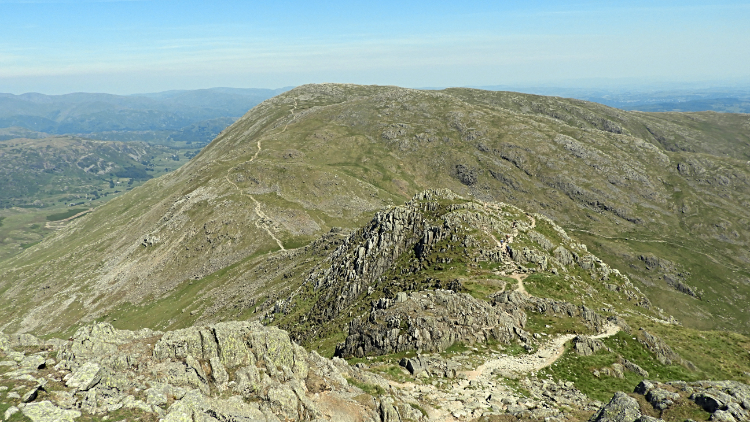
[721, 100]
[175, 118]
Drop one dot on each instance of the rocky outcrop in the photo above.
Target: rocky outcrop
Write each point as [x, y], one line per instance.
[622, 408]
[430, 366]
[429, 321]
[587, 346]
[510, 300]
[432, 230]
[225, 371]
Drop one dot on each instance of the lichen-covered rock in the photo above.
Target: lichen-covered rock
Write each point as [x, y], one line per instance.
[10, 412]
[4, 342]
[86, 376]
[218, 371]
[24, 340]
[587, 346]
[723, 416]
[264, 373]
[45, 411]
[622, 408]
[33, 362]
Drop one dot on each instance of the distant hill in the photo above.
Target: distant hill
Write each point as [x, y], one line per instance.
[158, 118]
[720, 105]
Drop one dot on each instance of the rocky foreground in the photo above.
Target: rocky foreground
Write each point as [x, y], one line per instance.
[243, 371]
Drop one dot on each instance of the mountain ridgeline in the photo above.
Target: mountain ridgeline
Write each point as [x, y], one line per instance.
[471, 254]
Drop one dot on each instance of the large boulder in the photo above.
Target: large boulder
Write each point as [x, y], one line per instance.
[622, 408]
[45, 411]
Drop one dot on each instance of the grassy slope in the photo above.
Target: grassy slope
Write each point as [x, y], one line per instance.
[390, 143]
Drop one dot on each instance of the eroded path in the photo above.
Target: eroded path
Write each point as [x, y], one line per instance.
[61, 223]
[263, 222]
[546, 355]
[467, 398]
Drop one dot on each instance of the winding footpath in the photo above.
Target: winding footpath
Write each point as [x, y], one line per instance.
[263, 222]
[545, 356]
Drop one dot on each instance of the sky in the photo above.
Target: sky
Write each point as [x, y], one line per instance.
[135, 46]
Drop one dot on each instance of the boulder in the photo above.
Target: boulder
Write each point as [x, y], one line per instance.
[10, 412]
[33, 362]
[45, 411]
[661, 399]
[86, 376]
[622, 408]
[632, 367]
[32, 394]
[644, 387]
[24, 340]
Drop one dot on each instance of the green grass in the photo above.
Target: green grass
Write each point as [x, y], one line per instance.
[371, 389]
[480, 289]
[552, 286]
[542, 323]
[580, 369]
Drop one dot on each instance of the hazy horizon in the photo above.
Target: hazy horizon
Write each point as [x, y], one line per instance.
[137, 46]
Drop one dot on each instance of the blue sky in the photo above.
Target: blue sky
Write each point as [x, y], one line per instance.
[61, 46]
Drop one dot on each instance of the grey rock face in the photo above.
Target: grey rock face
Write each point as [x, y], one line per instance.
[513, 300]
[622, 408]
[587, 346]
[430, 366]
[430, 321]
[723, 399]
